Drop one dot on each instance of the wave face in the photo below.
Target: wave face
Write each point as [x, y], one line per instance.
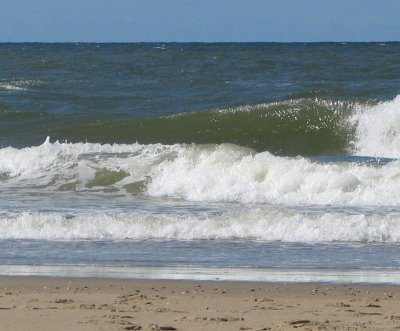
[296, 127]
[293, 127]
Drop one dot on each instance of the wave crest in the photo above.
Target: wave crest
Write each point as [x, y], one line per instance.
[378, 130]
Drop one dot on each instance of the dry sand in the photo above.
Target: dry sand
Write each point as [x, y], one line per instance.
[40, 303]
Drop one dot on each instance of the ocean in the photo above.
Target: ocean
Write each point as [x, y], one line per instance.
[201, 160]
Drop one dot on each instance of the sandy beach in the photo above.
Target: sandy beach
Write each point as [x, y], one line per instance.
[43, 303]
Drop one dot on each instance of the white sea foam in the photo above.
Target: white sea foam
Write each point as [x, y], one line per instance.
[203, 173]
[378, 130]
[50, 156]
[226, 174]
[257, 224]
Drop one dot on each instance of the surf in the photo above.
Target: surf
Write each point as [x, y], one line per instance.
[269, 224]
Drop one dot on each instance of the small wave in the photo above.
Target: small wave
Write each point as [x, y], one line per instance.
[10, 87]
[258, 224]
[160, 46]
[18, 85]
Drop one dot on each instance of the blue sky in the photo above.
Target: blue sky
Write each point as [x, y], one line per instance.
[199, 20]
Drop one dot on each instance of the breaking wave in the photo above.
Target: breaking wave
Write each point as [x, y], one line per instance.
[200, 173]
[271, 224]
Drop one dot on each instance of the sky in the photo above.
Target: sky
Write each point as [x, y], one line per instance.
[199, 20]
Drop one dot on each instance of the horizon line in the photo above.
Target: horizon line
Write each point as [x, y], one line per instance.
[202, 42]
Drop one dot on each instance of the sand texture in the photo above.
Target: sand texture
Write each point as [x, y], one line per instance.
[40, 303]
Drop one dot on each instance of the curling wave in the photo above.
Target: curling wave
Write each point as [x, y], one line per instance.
[292, 127]
[306, 127]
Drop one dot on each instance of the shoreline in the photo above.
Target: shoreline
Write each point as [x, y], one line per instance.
[185, 273]
[59, 303]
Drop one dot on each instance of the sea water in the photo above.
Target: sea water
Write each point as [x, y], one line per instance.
[257, 161]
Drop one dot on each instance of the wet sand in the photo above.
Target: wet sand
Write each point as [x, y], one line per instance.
[43, 303]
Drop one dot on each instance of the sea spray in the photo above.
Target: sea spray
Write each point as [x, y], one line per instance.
[378, 130]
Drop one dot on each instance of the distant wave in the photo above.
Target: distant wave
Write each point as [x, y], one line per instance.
[18, 85]
[11, 87]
